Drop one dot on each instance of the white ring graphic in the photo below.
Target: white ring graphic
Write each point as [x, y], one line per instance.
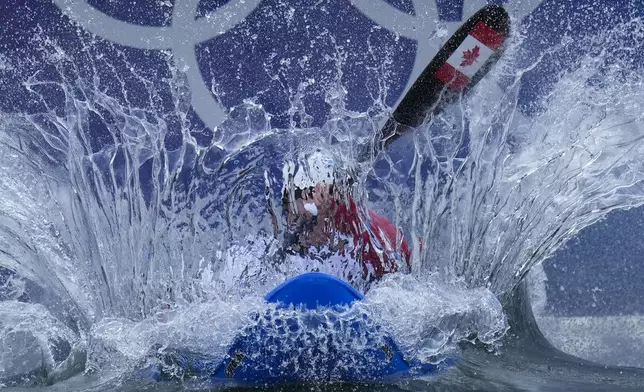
[181, 37]
[186, 32]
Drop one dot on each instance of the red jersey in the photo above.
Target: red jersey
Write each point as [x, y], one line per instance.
[376, 246]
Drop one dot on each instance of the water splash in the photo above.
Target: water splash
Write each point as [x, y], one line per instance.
[492, 192]
[444, 314]
[140, 228]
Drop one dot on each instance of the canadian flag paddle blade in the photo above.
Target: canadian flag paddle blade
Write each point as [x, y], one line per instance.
[470, 56]
[464, 59]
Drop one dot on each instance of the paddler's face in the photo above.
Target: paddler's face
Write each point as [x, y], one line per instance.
[312, 215]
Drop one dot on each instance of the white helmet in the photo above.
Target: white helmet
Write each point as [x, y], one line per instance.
[316, 168]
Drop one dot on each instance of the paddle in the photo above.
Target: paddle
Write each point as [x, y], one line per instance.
[462, 62]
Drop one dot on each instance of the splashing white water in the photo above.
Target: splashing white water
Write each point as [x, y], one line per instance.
[123, 218]
[523, 186]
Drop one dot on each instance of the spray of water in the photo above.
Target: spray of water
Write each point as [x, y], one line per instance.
[139, 231]
[494, 192]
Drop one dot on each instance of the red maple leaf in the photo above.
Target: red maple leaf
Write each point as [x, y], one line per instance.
[470, 56]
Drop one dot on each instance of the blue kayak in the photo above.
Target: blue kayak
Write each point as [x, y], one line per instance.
[313, 334]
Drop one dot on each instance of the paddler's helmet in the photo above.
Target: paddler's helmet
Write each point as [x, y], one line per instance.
[303, 175]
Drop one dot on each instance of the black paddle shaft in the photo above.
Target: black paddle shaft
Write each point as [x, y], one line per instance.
[429, 95]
